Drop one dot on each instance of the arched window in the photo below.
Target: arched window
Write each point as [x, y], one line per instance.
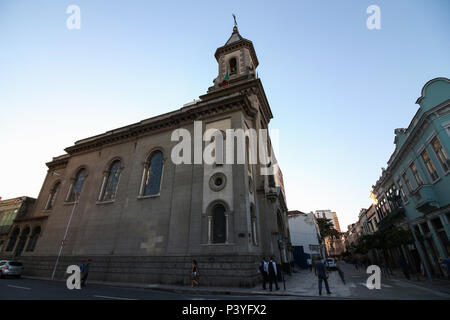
[77, 186]
[153, 174]
[112, 181]
[219, 225]
[33, 239]
[22, 241]
[13, 239]
[52, 196]
[233, 65]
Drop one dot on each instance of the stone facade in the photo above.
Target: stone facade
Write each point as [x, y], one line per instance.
[153, 238]
[10, 210]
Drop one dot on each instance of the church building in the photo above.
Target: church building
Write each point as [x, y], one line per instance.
[119, 199]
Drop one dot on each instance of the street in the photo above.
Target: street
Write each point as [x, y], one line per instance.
[355, 288]
[301, 285]
[31, 289]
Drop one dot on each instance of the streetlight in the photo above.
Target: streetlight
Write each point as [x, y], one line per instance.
[77, 196]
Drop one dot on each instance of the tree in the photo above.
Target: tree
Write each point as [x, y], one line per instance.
[326, 227]
[384, 239]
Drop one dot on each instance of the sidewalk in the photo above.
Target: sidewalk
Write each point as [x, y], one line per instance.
[302, 283]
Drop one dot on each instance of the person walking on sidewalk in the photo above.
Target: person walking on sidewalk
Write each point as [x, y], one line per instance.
[194, 274]
[355, 263]
[405, 267]
[309, 262]
[384, 268]
[340, 272]
[273, 273]
[81, 266]
[85, 272]
[322, 274]
[264, 270]
[446, 261]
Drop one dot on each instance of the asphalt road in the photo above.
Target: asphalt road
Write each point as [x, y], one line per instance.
[355, 288]
[32, 289]
[393, 288]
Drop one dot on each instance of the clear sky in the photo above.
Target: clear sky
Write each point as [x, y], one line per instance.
[337, 89]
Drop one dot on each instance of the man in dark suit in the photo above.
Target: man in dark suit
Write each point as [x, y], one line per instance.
[264, 270]
[273, 273]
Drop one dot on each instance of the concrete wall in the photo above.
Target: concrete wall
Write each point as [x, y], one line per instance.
[303, 232]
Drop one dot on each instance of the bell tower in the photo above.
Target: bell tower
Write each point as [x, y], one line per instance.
[237, 61]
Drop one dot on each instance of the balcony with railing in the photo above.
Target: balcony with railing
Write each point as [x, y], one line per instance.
[396, 212]
[425, 198]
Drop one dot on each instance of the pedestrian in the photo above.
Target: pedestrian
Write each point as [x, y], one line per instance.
[85, 272]
[405, 267]
[272, 268]
[446, 261]
[81, 266]
[309, 262]
[384, 268]
[195, 274]
[264, 270]
[340, 272]
[322, 274]
[418, 268]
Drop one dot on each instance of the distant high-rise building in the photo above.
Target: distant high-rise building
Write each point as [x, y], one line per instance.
[328, 214]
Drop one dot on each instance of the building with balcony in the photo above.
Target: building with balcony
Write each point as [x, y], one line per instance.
[369, 220]
[351, 237]
[414, 190]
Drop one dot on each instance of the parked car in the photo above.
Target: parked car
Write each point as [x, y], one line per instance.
[331, 263]
[11, 268]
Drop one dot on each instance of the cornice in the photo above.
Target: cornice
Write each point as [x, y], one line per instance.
[252, 86]
[164, 122]
[40, 217]
[422, 125]
[58, 163]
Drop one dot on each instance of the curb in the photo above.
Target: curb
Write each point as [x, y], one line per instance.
[206, 291]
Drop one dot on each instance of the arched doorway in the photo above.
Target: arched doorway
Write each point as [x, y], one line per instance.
[219, 224]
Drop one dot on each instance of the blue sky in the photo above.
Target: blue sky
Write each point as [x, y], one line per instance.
[337, 90]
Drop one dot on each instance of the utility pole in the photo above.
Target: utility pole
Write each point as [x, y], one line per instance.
[280, 247]
[65, 234]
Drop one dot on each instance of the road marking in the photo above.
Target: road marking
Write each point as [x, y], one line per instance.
[25, 288]
[382, 285]
[115, 298]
